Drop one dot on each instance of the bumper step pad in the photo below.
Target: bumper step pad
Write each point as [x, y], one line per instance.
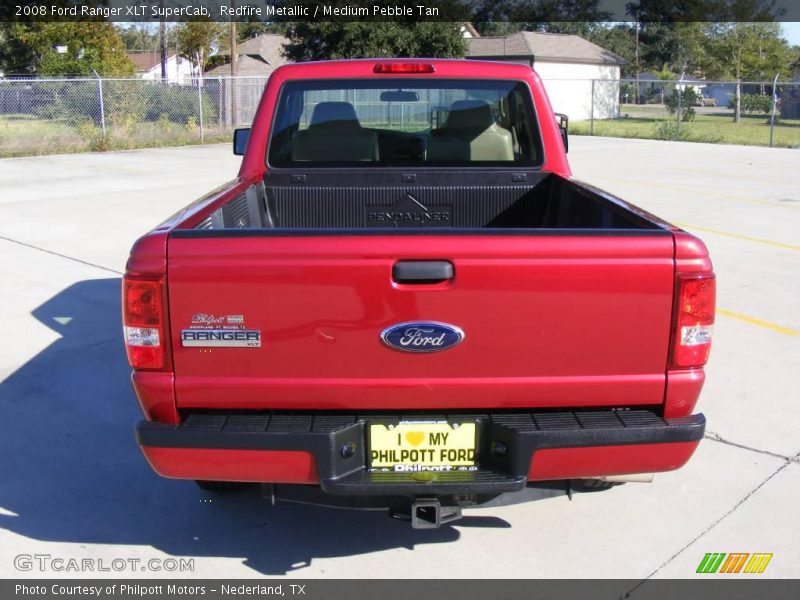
[506, 443]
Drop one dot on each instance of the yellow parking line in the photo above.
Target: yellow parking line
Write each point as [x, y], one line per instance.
[738, 236]
[757, 322]
[695, 191]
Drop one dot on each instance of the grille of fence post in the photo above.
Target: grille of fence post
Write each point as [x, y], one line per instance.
[234, 87]
[591, 111]
[772, 111]
[200, 105]
[102, 106]
[220, 121]
[678, 115]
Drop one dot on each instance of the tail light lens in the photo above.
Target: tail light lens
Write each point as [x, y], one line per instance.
[404, 68]
[694, 320]
[143, 322]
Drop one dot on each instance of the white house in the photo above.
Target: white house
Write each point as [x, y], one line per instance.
[148, 66]
[567, 64]
[468, 31]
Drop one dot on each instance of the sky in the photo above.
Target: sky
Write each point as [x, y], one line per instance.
[791, 31]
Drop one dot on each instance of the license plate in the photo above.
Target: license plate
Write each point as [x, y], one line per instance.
[422, 446]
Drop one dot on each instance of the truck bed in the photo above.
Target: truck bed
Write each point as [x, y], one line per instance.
[567, 303]
[482, 201]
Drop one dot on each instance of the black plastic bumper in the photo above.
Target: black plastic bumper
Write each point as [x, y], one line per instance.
[506, 443]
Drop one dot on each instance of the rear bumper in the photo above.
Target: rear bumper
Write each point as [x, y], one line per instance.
[513, 448]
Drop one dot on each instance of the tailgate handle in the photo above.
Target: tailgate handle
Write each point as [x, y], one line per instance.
[422, 271]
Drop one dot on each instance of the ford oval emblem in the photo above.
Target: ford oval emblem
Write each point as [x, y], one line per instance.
[422, 336]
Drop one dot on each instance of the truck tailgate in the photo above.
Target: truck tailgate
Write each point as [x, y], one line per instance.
[549, 320]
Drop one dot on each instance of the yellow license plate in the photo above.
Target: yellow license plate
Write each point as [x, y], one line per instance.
[422, 446]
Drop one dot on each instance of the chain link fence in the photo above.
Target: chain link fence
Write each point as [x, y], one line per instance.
[50, 116]
[685, 110]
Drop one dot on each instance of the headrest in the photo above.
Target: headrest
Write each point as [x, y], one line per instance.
[328, 113]
[473, 115]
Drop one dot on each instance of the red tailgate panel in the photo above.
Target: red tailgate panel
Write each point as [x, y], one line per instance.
[549, 321]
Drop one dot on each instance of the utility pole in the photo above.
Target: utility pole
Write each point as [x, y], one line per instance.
[636, 101]
[162, 40]
[234, 63]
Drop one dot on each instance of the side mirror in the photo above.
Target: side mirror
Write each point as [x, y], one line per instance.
[240, 137]
[563, 126]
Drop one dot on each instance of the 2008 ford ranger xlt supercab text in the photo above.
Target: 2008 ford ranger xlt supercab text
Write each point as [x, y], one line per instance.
[405, 301]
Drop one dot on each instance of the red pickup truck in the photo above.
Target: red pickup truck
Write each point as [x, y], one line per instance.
[405, 300]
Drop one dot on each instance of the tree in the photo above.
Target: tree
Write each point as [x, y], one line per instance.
[89, 46]
[504, 17]
[671, 30]
[245, 31]
[139, 37]
[619, 39]
[498, 28]
[14, 56]
[746, 51]
[327, 40]
[196, 39]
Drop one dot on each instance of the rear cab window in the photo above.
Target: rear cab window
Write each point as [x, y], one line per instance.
[400, 122]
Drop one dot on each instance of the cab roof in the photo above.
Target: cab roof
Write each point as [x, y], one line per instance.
[365, 68]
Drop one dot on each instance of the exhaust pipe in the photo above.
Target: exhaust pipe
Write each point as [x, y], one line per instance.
[634, 478]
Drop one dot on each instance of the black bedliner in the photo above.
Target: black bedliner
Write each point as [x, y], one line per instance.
[354, 200]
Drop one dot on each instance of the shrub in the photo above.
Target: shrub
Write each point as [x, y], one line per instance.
[666, 130]
[163, 123]
[125, 102]
[648, 95]
[74, 101]
[627, 92]
[686, 98]
[753, 103]
[92, 135]
[178, 103]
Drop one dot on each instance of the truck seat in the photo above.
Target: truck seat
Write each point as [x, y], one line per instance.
[335, 135]
[470, 134]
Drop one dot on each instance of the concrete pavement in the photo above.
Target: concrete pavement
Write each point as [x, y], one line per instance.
[73, 484]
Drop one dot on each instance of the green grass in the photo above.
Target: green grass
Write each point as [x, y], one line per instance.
[27, 135]
[716, 127]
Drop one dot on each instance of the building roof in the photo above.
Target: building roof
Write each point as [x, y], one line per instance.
[247, 66]
[268, 46]
[257, 56]
[496, 47]
[145, 61]
[546, 47]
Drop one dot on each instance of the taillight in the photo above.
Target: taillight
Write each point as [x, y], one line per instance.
[404, 68]
[694, 320]
[143, 322]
